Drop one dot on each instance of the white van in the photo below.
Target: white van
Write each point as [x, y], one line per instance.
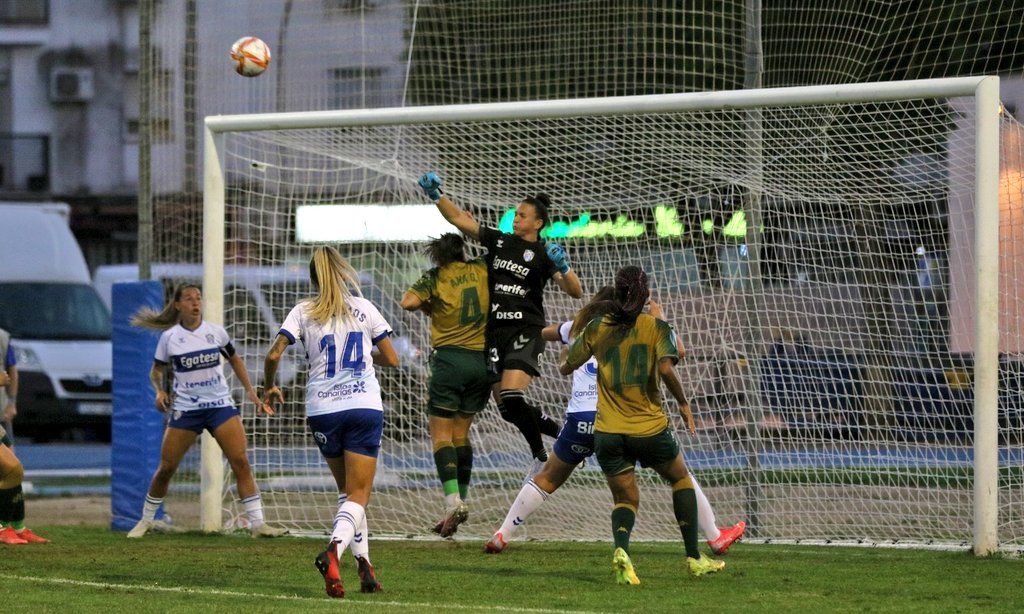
[60, 329]
[258, 299]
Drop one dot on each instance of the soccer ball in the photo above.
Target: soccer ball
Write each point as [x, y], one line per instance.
[250, 56]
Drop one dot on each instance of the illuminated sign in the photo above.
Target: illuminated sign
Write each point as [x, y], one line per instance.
[368, 223]
[365, 223]
[666, 226]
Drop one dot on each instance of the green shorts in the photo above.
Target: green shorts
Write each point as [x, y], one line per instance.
[459, 382]
[618, 453]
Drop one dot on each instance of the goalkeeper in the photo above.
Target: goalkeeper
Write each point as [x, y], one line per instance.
[636, 352]
[519, 265]
[454, 295]
[576, 441]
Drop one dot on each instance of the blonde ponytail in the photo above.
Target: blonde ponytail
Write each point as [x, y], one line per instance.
[165, 318]
[336, 282]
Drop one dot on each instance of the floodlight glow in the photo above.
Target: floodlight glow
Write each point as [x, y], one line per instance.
[368, 223]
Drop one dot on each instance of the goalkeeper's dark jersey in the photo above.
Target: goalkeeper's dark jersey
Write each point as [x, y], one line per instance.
[517, 272]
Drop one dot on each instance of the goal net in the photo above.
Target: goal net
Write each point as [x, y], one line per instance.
[817, 250]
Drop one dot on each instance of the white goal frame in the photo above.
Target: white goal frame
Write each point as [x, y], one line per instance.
[984, 90]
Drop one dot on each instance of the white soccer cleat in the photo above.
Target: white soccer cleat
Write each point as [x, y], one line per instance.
[453, 518]
[140, 529]
[266, 530]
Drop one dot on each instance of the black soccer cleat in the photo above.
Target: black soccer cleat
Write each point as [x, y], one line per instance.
[368, 582]
[327, 564]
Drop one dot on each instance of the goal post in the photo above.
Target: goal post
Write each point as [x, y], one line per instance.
[259, 169]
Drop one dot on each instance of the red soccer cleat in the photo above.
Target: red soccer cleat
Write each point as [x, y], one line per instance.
[728, 536]
[9, 536]
[327, 564]
[496, 545]
[368, 582]
[32, 538]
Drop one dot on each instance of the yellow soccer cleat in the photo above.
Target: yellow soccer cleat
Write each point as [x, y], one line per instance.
[703, 565]
[623, 568]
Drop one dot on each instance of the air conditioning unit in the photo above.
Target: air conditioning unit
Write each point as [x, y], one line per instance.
[71, 85]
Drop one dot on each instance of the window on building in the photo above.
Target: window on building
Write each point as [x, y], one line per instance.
[24, 12]
[357, 87]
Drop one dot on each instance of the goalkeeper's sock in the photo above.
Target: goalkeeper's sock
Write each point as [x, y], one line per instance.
[547, 425]
[530, 498]
[150, 507]
[464, 457]
[346, 522]
[516, 411]
[705, 515]
[254, 510]
[623, 519]
[447, 462]
[684, 506]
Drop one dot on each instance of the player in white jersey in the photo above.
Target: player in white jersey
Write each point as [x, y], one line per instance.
[576, 441]
[201, 399]
[338, 330]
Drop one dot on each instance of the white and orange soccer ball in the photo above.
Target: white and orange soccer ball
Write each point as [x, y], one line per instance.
[250, 56]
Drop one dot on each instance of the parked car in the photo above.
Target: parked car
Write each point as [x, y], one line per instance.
[60, 329]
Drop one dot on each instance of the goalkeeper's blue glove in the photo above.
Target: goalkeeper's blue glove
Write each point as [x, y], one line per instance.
[430, 183]
[558, 256]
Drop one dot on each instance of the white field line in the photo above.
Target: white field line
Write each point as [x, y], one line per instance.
[322, 600]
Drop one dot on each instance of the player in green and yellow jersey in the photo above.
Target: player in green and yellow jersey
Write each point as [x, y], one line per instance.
[454, 294]
[636, 352]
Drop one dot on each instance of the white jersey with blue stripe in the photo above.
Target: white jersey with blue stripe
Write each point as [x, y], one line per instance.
[195, 357]
[584, 379]
[341, 374]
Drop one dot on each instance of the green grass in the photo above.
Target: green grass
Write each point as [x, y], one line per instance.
[88, 569]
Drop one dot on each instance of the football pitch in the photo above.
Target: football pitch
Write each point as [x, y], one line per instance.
[92, 569]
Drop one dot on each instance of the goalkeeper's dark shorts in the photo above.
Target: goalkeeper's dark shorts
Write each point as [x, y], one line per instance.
[459, 382]
[515, 348]
[617, 453]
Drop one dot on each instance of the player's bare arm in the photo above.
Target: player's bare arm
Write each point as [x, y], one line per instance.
[238, 366]
[574, 359]
[156, 380]
[569, 283]
[385, 354]
[550, 333]
[430, 183]
[272, 395]
[667, 371]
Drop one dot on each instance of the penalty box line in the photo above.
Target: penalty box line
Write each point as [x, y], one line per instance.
[323, 600]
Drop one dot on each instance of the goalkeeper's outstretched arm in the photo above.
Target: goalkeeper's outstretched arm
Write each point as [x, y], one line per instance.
[430, 183]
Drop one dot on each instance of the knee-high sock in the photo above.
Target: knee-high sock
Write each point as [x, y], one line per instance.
[530, 498]
[517, 411]
[705, 515]
[346, 522]
[464, 457]
[7, 505]
[623, 518]
[447, 462]
[360, 546]
[684, 506]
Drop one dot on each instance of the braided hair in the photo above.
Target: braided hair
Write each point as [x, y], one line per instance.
[631, 295]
